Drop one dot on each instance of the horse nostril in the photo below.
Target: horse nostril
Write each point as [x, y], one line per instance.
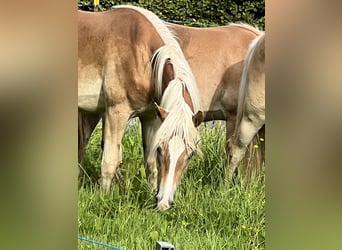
[157, 198]
[163, 206]
[171, 203]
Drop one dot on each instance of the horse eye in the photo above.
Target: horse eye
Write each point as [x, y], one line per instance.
[191, 155]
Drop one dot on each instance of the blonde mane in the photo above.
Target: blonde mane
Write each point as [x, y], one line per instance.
[171, 50]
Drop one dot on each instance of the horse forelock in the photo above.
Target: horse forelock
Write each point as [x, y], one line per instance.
[178, 122]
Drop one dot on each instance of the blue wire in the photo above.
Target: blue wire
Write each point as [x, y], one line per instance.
[100, 243]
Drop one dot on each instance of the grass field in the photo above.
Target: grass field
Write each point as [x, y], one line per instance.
[206, 215]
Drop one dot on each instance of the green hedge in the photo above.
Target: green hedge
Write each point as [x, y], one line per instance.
[197, 13]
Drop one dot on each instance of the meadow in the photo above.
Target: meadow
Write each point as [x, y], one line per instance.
[208, 213]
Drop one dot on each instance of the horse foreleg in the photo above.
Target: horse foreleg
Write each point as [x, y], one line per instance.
[116, 118]
[118, 175]
[147, 134]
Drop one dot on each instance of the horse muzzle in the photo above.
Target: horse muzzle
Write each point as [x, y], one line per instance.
[163, 204]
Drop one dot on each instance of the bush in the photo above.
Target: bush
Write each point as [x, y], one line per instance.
[197, 13]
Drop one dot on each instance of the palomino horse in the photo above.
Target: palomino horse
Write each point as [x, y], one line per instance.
[251, 106]
[128, 61]
[216, 56]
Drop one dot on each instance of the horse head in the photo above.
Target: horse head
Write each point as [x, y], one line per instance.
[175, 141]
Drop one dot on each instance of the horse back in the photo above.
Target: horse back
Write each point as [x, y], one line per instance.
[216, 56]
[118, 30]
[208, 40]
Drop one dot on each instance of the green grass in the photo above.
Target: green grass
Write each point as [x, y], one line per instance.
[206, 215]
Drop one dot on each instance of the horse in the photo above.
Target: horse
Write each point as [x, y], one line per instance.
[130, 65]
[251, 104]
[216, 56]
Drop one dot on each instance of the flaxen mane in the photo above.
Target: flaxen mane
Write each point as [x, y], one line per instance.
[171, 50]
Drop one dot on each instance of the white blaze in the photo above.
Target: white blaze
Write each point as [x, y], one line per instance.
[167, 188]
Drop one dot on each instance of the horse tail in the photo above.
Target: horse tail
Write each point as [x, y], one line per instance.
[253, 159]
[244, 80]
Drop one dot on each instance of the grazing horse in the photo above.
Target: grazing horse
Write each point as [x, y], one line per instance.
[130, 65]
[251, 105]
[216, 56]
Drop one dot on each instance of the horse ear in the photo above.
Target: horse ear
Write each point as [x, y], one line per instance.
[162, 113]
[168, 74]
[198, 118]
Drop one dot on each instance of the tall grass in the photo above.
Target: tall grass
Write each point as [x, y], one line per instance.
[206, 214]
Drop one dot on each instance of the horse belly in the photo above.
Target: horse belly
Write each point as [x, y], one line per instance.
[90, 96]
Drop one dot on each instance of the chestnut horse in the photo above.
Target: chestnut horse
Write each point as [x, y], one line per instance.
[251, 105]
[130, 64]
[216, 56]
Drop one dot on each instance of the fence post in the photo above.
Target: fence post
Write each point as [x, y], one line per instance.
[96, 5]
[162, 245]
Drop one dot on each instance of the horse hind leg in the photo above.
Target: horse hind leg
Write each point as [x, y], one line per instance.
[116, 118]
[254, 156]
[237, 146]
[86, 125]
